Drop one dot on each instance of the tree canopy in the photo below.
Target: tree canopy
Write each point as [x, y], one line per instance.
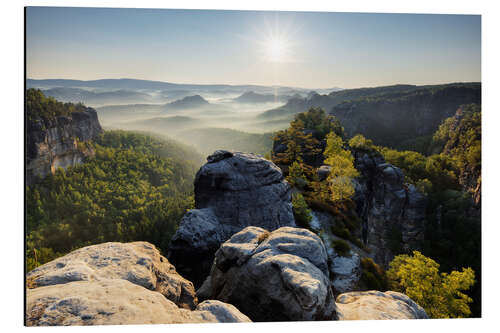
[440, 294]
[135, 188]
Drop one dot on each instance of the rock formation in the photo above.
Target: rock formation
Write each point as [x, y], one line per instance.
[232, 191]
[60, 142]
[138, 262]
[376, 305]
[116, 302]
[117, 283]
[274, 276]
[392, 212]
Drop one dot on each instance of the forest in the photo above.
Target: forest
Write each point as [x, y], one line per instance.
[450, 180]
[138, 185]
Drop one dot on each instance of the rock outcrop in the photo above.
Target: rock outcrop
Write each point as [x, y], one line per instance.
[392, 212]
[274, 276]
[376, 305]
[116, 302]
[232, 191]
[59, 143]
[139, 263]
[117, 283]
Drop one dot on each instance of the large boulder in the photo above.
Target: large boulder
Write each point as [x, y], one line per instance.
[392, 212]
[139, 263]
[116, 302]
[274, 276]
[233, 190]
[377, 305]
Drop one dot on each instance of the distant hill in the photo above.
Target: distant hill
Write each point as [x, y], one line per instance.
[251, 97]
[133, 84]
[394, 116]
[75, 95]
[297, 105]
[188, 102]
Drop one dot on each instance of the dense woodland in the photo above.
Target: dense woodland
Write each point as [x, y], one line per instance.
[453, 215]
[138, 186]
[40, 106]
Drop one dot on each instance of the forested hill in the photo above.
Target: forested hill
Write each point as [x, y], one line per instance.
[399, 116]
[136, 187]
[58, 134]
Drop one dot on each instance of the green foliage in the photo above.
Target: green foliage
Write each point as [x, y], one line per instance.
[296, 175]
[133, 189]
[47, 108]
[452, 216]
[440, 294]
[460, 137]
[341, 247]
[301, 211]
[438, 172]
[319, 122]
[342, 163]
[361, 143]
[303, 137]
[373, 277]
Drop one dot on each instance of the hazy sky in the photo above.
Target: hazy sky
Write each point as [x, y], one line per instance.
[301, 49]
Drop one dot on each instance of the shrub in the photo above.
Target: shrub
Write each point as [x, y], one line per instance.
[373, 277]
[301, 211]
[341, 247]
[440, 294]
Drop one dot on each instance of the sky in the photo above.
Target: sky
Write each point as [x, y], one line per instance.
[297, 49]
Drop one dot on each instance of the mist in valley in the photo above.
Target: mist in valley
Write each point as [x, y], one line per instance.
[207, 117]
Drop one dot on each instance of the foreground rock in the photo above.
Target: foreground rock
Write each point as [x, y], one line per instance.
[232, 191]
[139, 263]
[393, 213]
[376, 305]
[116, 302]
[274, 276]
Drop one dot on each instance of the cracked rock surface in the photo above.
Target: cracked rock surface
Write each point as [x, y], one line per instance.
[139, 263]
[274, 276]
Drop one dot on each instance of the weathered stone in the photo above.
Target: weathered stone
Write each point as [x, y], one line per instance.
[376, 305]
[232, 191]
[323, 172]
[54, 144]
[345, 272]
[223, 312]
[274, 276]
[392, 212]
[116, 302]
[138, 262]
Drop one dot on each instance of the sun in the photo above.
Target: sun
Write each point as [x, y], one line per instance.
[276, 49]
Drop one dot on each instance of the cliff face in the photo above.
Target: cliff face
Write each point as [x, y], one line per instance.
[391, 120]
[59, 142]
[392, 212]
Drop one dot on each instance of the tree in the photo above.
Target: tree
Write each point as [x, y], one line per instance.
[343, 170]
[301, 211]
[296, 175]
[440, 294]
